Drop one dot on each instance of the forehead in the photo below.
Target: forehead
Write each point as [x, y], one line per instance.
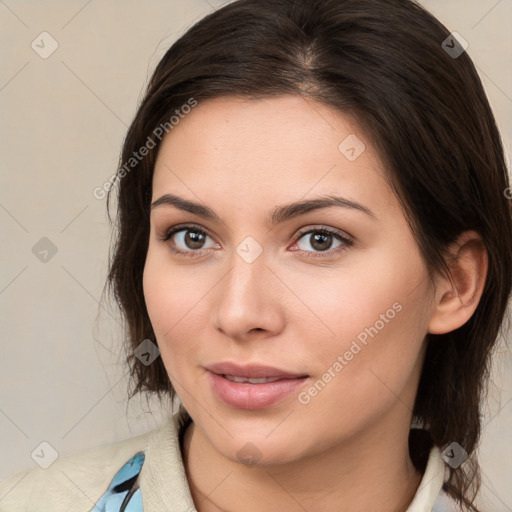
[268, 151]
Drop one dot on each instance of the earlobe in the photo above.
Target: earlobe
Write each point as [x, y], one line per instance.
[457, 296]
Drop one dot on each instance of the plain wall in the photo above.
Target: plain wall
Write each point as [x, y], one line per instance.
[63, 121]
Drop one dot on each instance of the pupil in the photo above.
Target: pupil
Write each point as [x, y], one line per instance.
[194, 240]
[319, 237]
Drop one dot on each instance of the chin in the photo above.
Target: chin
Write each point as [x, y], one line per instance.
[255, 444]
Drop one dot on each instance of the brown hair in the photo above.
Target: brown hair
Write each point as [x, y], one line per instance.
[425, 111]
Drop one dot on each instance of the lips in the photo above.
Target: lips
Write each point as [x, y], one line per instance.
[252, 371]
[252, 386]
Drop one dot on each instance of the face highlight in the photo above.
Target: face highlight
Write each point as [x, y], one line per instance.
[272, 245]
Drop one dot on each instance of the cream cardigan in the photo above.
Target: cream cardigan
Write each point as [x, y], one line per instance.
[76, 482]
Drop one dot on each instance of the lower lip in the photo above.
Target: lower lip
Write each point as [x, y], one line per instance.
[244, 395]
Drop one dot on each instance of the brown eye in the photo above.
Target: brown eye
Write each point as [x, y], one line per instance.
[322, 240]
[186, 239]
[193, 239]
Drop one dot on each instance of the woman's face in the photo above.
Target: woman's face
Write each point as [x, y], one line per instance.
[340, 316]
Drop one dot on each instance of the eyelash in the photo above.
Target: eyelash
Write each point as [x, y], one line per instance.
[309, 254]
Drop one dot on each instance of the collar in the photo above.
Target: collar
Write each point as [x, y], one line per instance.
[430, 489]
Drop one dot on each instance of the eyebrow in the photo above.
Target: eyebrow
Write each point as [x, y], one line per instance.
[278, 215]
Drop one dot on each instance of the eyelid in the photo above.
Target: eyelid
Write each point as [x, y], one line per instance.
[166, 235]
[325, 229]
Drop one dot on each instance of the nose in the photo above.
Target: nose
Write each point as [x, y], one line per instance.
[249, 300]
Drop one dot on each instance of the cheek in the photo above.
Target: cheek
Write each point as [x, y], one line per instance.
[156, 283]
[174, 299]
[166, 291]
[377, 317]
[371, 297]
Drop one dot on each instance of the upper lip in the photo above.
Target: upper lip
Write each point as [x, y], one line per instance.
[251, 371]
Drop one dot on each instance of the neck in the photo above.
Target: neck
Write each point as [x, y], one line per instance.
[370, 471]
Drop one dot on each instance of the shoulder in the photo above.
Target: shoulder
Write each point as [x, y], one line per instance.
[73, 482]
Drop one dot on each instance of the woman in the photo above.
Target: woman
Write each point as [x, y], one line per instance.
[313, 229]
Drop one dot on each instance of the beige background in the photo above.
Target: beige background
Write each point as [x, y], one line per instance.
[63, 121]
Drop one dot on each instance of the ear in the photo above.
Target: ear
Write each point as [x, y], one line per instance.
[457, 297]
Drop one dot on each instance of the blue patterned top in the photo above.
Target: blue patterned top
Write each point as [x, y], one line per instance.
[123, 493]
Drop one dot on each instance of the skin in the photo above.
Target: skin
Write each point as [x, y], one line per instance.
[346, 449]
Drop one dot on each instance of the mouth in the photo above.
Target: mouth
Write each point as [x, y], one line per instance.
[252, 386]
[252, 372]
[261, 380]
